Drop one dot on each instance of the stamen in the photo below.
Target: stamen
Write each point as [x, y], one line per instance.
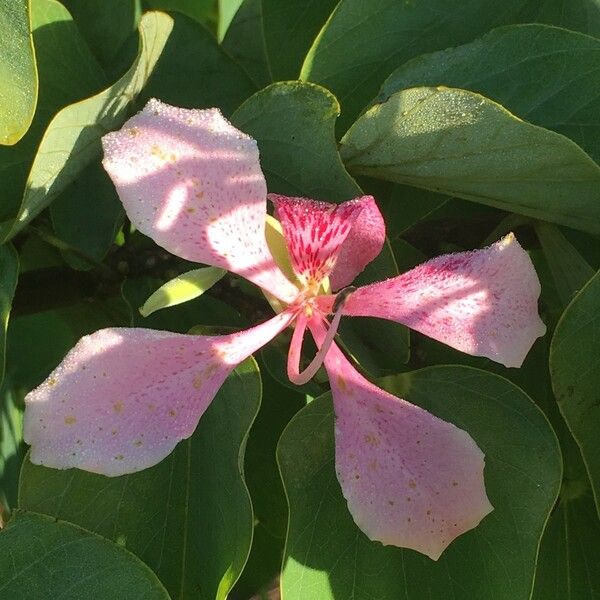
[296, 344]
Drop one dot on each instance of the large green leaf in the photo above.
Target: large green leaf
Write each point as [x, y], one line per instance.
[328, 557]
[189, 517]
[72, 139]
[12, 448]
[363, 42]
[293, 123]
[106, 25]
[194, 72]
[9, 273]
[67, 72]
[460, 143]
[576, 377]
[540, 73]
[18, 73]
[290, 28]
[43, 558]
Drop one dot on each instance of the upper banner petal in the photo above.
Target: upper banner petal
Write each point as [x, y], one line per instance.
[192, 182]
[482, 302]
[314, 232]
[123, 398]
[362, 244]
[410, 479]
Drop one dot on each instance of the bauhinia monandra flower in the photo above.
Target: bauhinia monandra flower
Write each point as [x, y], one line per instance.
[123, 398]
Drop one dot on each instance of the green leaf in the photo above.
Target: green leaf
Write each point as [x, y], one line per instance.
[575, 375]
[182, 288]
[42, 558]
[87, 216]
[328, 557]
[293, 123]
[9, 273]
[106, 25]
[290, 28]
[459, 143]
[67, 72]
[227, 10]
[540, 73]
[194, 72]
[18, 72]
[72, 139]
[363, 42]
[189, 517]
[203, 11]
[12, 449]
[569, 269]
[245, 42]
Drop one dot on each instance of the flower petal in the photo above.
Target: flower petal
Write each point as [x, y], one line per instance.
[411, 480]
[123, 398]
[482, 302]
[192, 182]
[314, 232]
[361, 246]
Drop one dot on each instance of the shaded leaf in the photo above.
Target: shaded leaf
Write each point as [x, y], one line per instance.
[540, 73]
[9, 273]
[227, 10]
[328, 557]
[72, 139]
[42, 558]
[576, 377]
[293, 123]
[189, 517]
[18, 72]
[459, 143]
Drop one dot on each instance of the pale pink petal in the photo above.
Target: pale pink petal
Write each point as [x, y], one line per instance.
[361, 246]
[411, 480]
[482, 302]
[122, 398]
[192, 182]
[314, 232]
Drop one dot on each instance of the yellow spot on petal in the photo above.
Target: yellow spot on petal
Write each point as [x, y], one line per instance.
[172, 413]
[342, 384]
[412, 484]
[199, 195]
[133, 132]
[71, 420]
[118, 407]
[372, 440]
[138, 443]
[373, 465]
[198, 379]
[119, 457]
[190, 209]
[151, 407]
[52, 381]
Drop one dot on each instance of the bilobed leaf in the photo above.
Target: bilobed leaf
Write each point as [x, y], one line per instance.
[576, 376]
[569, 269]
[293, 123]
[189, 517]
[18, 72]
[328, 557]
[363, 42]
[9, 273]
[72, 139]
[43, 558]
[460, 143]
[182, 288]
[193, 71]
[290, 28]
[67, 72]
[546, 75]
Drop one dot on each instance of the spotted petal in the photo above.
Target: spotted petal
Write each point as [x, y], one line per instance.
[123, 398]
[363, 243]
[411, 480]
[192, 182]
[482, 302]
[314, 232]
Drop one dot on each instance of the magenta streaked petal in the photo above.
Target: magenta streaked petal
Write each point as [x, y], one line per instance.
[361, 246]
[123, 398]
[192, 182]
[314, 232]
[410, 479]
[482, 302]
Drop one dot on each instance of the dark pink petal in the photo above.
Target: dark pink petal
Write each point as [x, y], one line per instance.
[361, 246]
[482, 302]
[314, 232]
[123, 398]
[411, 480]
[192, 182]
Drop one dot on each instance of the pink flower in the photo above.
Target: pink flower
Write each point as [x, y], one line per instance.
[123, 398]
